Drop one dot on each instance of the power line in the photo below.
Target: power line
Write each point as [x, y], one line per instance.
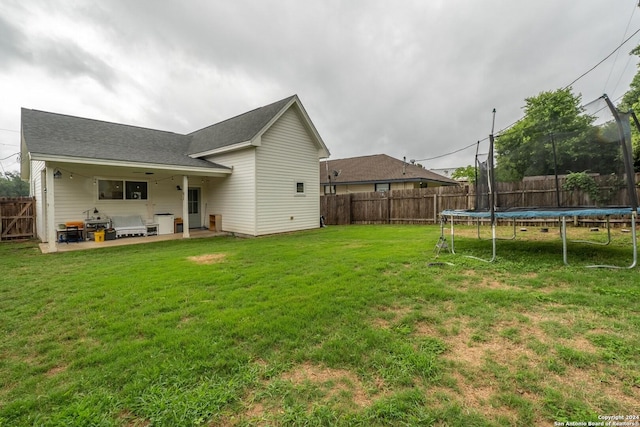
[605, 58]
[585, 73]
[10, 130]
[498, 133]
[604, 90]
[447, 154]
[8, 157]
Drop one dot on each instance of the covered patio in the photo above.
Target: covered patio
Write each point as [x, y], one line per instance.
[91, 244]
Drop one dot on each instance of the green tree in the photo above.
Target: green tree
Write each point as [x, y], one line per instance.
[554, 135]
[467, 173]
[12, 186]
[631, 101]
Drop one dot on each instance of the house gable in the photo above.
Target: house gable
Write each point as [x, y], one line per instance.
[247, 129]
[288, 187]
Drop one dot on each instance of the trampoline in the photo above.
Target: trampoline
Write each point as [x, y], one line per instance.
[610, 161]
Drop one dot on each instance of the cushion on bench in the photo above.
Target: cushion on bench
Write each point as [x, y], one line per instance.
[128, 225]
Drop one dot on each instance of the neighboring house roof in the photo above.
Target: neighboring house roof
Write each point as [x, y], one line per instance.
[378, 168]
[51, 136]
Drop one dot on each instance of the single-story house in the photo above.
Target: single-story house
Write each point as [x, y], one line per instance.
[256, 173]
[378, 172]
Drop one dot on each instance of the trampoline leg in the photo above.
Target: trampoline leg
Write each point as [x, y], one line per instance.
[634, 240]
[563, 234]
[596, 243]
[493, 247]
[635, 245]
[453, 249]
[513, 237]
[493, 242]
[493, 238]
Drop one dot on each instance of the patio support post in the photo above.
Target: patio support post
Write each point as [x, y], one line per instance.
[185, 207]
[52, 236]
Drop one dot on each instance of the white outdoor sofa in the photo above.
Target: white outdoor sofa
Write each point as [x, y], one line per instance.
[129, 225]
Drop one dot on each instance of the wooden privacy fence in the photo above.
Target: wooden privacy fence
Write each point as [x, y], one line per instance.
[423, 205]
[415, 206]
[17, 218]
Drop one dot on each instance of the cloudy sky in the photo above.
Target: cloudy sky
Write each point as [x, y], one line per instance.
[405, 78]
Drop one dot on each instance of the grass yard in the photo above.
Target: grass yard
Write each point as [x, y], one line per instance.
[351, 326]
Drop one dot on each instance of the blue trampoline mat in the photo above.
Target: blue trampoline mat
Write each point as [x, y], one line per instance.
[542, 212]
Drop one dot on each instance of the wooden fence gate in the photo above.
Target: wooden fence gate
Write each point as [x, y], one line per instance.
[17, 218]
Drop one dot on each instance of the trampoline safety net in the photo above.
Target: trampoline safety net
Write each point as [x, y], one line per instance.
[560, 161]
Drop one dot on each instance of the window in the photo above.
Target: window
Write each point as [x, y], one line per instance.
[136, 190]
[112, 189]
[382, 187]
[193, 200]
[299, 188]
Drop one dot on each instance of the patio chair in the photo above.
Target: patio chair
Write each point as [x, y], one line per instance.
[73, 234]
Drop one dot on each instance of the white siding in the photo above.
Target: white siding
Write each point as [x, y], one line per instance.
[287, 156]
[164, 197]
[74, 196]
[36, 189]
[234, 197]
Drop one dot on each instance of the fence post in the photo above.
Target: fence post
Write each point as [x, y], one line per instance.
[435, 208]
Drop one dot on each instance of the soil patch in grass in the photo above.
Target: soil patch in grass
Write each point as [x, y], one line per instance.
[501, 358]
[311, 385]
[129, 419]
[389, 315]
[207, 259]
[332, 381]
[55, 371]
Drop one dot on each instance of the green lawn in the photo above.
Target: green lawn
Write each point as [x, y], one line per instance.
[356, 325]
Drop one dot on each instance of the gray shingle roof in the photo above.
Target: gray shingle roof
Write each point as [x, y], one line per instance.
[235, 130]
[55, 134]
[377, 168]
[62, 135]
